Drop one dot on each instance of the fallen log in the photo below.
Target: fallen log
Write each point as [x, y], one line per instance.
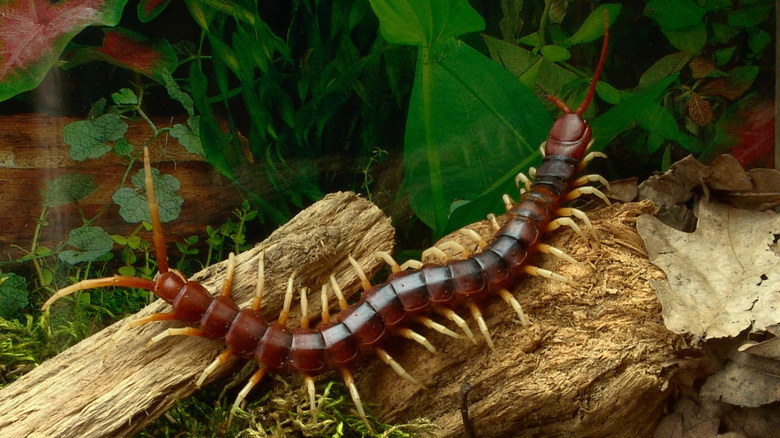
[113, 383]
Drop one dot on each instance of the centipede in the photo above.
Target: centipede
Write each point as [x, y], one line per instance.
[410, 295]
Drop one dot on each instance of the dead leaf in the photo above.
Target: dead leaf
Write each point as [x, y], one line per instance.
[746, 380]
[723, 278]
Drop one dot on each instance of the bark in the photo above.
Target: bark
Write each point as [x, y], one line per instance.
[114, 383]
[589, 365]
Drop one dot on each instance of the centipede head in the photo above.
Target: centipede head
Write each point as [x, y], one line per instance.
[571, 134]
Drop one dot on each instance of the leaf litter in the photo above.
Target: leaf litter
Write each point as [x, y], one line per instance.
[722, 265]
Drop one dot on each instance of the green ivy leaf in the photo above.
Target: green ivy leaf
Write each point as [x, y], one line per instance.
[91, 243]
[123, 148]
[90, 138]
[13, 295]
[593, 27]
[189, 136]
[68, 188]
[175, 92]
[133, 204]
[125, 96]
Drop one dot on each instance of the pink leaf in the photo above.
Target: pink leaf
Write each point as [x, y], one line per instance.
[33, 33]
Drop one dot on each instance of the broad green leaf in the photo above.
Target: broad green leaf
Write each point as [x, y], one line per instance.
[91, 138]
[663, 68]
[91, 243]
[657, 120]
[675, 14]
[134, 206]
[13, 295]
[758, 41]
[555, 53]
[498, 121]
[593, 27]
[690, 39]
[607, 126]
[751, 16]
[68, 188]
[425, 22]
[175, 92]
[33, 34]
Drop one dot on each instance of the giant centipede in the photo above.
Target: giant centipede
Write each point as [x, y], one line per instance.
[409, 294]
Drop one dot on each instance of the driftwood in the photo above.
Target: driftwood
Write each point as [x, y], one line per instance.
[113, 384]
[589, 365]
[32, 153]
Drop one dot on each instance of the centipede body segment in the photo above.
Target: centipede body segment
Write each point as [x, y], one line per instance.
[407, 297]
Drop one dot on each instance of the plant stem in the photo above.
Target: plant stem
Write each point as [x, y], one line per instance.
[431, 143]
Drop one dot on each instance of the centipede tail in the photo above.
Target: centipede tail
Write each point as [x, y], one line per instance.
[407, 296]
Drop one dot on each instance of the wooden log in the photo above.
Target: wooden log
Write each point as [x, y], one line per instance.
[589, 365]
[113, 383]
[32, 152]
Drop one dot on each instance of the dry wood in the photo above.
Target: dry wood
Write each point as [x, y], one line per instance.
[589, 365]
[113, 384]
[32, 153]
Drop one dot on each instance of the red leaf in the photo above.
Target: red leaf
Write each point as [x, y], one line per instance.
[33, 34]
[699, 110]
[747, 131]
[148, 9]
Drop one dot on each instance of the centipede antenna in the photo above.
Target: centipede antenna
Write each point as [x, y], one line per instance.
[309, 381]
[482, 325]
[546, 273]
[324, 301]
[386, 358]
[585, 179]
[154, 213]
[339, 294]
[587, 190]
[288, 296]
[216, 363]
[304, 308]
[117, 280]
[510, 299]
[547, 249]
[384, 255]
[460, 322]
[559, 103]
[416, 337]
[435, 252]
[227, 286]
[257, 301]
[579, 214]
[360, 273]
[567, 222]
[599, 67]
[181, 331]
[433, 325]
[508, 201]
[349, 380]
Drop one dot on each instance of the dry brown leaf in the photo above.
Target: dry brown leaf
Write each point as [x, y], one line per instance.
[746, 380]
[699, 110]
[723, 278]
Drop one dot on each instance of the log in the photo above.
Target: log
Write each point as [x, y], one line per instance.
[32, 152]
[113, 384]
[589, 365]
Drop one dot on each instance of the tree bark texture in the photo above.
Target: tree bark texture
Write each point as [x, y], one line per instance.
[589, 365]
[114, 383]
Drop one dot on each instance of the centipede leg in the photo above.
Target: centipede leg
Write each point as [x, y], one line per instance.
[587, 190]
[482, 325]
[565, 221]
[510, 299]
[585, 179]
[182, 331]
[547, 249]
[460, 322]
[251, 383]
[309, 382]
[433, 325]
[579, 214]
[416, 337]
[349, 380]
[216, 363]
[386, 358]
[545, 273]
